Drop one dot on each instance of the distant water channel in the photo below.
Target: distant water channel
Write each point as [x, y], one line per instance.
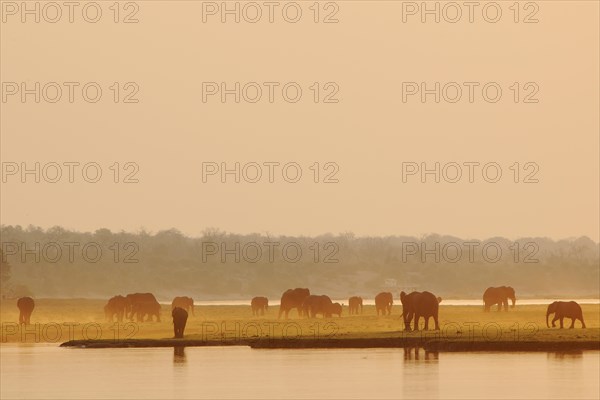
[371, 302]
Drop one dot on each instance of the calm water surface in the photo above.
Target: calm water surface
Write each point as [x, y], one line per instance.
[47, 371]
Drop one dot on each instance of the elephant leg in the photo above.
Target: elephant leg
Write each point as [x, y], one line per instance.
[417, 317]
[505, 304]
[582, 323]
[572, 323]
[435, 320]
[561, 322]
[500, 306]
[426, 322]
[408, 320]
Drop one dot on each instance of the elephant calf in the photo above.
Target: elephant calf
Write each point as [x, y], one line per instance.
[180, 317]
[565, 309]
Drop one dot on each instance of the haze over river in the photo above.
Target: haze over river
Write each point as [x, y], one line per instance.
[48, 371]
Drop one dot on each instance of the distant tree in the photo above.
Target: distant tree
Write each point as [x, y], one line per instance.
[5, 274]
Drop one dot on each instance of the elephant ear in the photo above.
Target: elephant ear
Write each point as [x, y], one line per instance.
[439, 299]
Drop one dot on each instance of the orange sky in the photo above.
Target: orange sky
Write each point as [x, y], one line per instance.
[368, 134]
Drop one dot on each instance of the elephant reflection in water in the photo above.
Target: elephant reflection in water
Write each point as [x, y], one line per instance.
[179, 355]
[566, 355]
[429, 355]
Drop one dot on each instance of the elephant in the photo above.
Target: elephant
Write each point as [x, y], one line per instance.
[500, 296]
[336, 308]
[142, 304]
[187, 303]
[417, 305]
[180, 317]
[353, 303]
[259, 304]
[292, 298]
[26, 306]
[314, 305]
[565, 309]
[116, 305]
[383, 303]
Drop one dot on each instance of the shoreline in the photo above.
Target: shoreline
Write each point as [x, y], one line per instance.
[430, 345]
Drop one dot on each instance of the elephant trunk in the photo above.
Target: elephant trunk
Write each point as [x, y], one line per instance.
[547, 315]
[193, 309]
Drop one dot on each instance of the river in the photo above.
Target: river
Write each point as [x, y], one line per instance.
[47, 371]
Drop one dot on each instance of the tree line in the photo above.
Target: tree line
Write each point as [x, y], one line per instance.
[57, 262]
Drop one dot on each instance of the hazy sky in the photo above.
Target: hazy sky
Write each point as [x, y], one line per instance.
[367, 135]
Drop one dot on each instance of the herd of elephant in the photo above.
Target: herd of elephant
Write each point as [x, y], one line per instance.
[415, 305]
